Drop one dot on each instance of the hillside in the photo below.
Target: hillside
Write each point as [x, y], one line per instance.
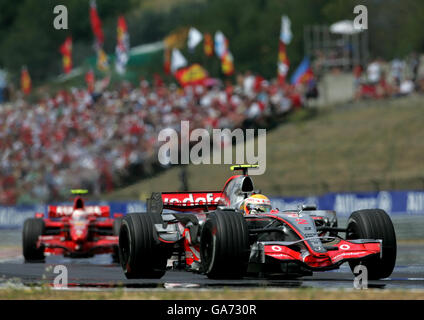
[362, 146]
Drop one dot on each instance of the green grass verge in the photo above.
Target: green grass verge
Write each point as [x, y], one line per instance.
[224, 294]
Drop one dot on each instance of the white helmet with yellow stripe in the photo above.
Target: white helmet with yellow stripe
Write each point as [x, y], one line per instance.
[256, 204]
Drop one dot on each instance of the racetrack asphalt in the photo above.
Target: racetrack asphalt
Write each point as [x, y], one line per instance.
[100, 272]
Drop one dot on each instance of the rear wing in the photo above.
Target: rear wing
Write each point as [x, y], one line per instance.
[243, 167]
[193, 201]
[66, 211]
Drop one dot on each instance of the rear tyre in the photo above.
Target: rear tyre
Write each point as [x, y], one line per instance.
[224, 245]
[140, 252]
[116, 227]
[33, 228]
[374, 224]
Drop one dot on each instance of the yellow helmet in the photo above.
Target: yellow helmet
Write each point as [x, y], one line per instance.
[257, 203]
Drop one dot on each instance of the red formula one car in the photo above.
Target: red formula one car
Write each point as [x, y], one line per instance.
[235, 232]
[73, 231]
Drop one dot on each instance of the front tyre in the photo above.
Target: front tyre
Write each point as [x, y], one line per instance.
[32, 230]
[140, 253]
[374, 224]
[224, 245]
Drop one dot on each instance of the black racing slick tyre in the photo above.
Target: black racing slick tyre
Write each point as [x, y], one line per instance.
[116, 228]
[140, 253]
[374, 224]
[224, 245]
[33, 228]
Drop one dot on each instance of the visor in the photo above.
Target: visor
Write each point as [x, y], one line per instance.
[258, 208]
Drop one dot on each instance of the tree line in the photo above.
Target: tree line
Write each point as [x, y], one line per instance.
[27, 36]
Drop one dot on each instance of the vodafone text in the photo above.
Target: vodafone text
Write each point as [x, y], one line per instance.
[206, 198]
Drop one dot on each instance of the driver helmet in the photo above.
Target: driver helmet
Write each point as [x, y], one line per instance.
[79, 214]
[255, 204]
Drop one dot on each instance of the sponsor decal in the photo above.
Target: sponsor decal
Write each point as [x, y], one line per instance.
[134, 207]
[46, 238]
[384, 201]
[67, 210]
[12, 217]
[347, 203]
[190, 198]
[301, 221]
[280, 256]
[344, 255]
[310, 235]
[415, 202]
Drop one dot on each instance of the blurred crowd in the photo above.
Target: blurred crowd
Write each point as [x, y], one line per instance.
[382, 79]
[101, 140]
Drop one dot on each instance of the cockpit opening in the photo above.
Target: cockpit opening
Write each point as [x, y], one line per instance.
[247, 185]
[79, 203]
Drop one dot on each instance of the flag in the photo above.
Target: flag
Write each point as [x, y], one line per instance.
[102, 60]
[177, 38]
[285, 38]
[167, 61]
[208, 45]
[192, 75]
[25, 81]
[66, 51]
[223, 52]
[283, 63]
[303, 72]
[177, 60]
[90, 80]
[286, 33]
[227, 63]
[194, 38]
[221, 44]
[122, 46]
[96, 24]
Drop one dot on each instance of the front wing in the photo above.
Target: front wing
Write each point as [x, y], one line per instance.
[335, 255]
[56, 245]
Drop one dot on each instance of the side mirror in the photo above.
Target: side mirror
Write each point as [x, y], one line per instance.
[308, 207]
